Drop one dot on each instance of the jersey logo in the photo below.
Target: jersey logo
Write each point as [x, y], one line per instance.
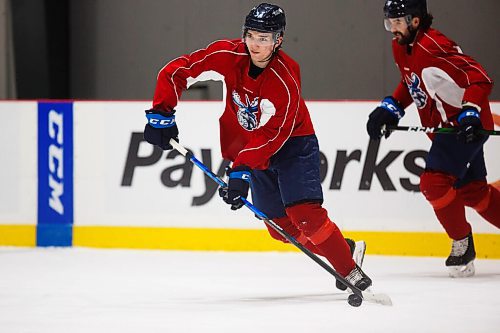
[418, 95]
[246, 111]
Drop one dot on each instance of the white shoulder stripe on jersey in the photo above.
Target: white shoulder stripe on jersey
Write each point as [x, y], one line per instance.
[168, 63]
[205, 57]
[446, 60]
[194, 63]
[461, 58]
[184, 57]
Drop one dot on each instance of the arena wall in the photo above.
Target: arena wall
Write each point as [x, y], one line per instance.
[79, 173]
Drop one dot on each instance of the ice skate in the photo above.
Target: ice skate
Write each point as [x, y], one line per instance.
[358, 254]
[359, 279]
[461, 260]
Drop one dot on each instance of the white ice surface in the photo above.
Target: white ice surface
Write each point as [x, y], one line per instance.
[87, 290]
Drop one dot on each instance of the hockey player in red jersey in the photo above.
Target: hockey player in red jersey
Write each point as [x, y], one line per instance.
[450, 89]
[265, 130]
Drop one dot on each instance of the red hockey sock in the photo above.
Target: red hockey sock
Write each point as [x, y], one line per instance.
[492, 212]
[484, 198]
[313, 248]
[337, 251]
[286, 224]
[438, 189]
[313, 221]
[452, 218]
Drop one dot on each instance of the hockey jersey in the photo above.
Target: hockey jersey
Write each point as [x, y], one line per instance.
[260, 114]
[439, 79]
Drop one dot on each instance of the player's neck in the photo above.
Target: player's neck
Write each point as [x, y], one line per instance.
[254, 71]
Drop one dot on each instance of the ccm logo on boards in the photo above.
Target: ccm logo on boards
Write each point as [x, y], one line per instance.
[56, 159]
[55, 163]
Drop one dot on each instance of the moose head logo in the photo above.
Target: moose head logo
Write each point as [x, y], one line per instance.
[246, 111]
[418, 95]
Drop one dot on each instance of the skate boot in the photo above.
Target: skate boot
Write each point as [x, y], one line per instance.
[359, 279]
[461, 260]
[358, 254]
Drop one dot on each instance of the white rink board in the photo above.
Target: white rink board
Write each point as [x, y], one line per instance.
[18, 175]
[103, 133]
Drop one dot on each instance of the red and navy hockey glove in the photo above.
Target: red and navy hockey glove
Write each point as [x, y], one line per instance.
[238, 185]
[387, 113]
[470, 125]
[161, 127]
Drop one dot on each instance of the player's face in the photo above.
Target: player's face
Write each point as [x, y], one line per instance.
[261, 46]
[401, 28]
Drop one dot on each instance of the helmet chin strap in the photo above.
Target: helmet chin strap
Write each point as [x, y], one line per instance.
[275, 50]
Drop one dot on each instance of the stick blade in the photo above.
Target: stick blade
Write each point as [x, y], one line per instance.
[382, 299]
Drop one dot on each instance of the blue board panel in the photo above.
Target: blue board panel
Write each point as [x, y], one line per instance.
[55, 174]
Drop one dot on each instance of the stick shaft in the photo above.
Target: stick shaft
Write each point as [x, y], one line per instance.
[445, 130]
[266, 220]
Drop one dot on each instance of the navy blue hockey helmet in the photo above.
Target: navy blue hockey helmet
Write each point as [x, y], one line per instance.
[401, 8]
[266, 18]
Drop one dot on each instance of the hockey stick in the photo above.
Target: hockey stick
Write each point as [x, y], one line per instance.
[444, 130]
[358, 295]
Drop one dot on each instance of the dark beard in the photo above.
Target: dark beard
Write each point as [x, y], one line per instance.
[407, 40]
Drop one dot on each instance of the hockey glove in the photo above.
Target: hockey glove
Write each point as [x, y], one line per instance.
[238, 185]
[469, 125]
[387, 113]
[161, 127]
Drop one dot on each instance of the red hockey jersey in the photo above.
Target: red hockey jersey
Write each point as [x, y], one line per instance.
[439, 79]
[260, 114]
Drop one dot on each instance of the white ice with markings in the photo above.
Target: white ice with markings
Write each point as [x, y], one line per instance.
[93, 290]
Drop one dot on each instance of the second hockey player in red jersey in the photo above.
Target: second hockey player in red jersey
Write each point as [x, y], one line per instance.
[265, 130]
[450, 89]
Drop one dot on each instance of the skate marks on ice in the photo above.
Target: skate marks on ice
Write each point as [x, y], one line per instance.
[85, 290]
[269, 299]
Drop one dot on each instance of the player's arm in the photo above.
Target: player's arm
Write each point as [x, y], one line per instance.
[389, 112]
[402, 95]
[210, 63]
[450, 70]
[173, 79]
[449, 67]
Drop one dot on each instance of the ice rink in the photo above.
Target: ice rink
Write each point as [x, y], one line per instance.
[89, 290]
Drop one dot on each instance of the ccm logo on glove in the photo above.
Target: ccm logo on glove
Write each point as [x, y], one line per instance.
[159, 121]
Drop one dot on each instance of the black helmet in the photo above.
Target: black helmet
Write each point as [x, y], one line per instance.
[401, 8]
[266, 18]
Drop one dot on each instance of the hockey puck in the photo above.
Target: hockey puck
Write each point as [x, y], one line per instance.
[354, 300]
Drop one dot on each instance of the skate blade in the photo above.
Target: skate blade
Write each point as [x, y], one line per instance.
[359, 253]
[462, 271]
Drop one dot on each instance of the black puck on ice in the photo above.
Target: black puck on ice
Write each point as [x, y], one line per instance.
[354, 300]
